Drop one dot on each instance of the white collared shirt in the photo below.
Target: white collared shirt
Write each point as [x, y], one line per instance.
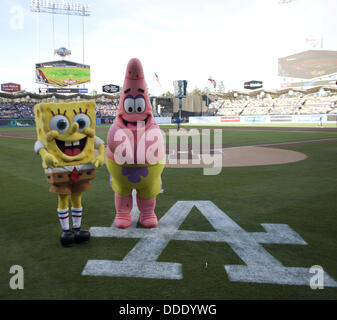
[78, 167]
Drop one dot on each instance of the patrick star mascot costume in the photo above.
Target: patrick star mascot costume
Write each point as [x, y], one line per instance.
[135, 152]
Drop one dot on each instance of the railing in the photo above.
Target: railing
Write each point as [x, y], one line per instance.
[4, 122]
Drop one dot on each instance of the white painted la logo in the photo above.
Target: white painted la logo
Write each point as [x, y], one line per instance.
[261, 266]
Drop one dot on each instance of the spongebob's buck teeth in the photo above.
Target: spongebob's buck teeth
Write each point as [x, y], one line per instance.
[72, 143]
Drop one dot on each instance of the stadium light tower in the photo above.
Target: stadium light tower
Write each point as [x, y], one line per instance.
[59, 7]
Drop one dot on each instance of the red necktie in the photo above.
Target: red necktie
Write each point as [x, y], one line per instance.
[74, 175]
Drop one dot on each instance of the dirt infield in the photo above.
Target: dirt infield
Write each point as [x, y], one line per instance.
[18, 135]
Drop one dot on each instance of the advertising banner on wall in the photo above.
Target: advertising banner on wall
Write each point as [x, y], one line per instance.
[204, 119]
[163, 120]
[254, 84]
[17, 122]
[281, 118]
[110, 88]
[309, 118]
[230, 119]
[107, 120]
[10, 87]
[302, 118]
[63, 90]
[253, 119]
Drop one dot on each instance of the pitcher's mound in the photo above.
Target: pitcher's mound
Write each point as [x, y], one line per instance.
[234, 157]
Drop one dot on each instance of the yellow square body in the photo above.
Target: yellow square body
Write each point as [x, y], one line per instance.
[67, 130]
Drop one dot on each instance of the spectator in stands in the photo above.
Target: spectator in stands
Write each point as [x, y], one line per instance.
[306, 104]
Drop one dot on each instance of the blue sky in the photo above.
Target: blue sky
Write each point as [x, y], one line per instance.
[231, 40]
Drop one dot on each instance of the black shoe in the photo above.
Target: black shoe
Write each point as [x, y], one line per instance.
[81, 236]
[67, 238]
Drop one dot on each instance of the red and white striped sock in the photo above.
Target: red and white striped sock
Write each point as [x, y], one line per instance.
[64, 218]
[76, 214]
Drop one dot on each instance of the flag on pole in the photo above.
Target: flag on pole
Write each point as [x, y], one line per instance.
[213, 82]
[156, 78]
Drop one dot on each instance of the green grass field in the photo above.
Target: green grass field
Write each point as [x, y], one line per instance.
[59, 75]
[302, 195]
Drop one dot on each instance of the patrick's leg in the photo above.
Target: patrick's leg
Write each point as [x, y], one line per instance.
[148, 218]
[123, 207]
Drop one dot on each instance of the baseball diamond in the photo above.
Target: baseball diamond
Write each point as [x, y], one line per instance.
[253, 230]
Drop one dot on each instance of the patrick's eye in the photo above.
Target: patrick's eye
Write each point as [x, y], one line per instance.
[129, 105]
[59, 123]
[140, 105]
[83, 121]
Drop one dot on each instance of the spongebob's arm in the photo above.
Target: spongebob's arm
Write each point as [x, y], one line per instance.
[48, 160]
[99, 145]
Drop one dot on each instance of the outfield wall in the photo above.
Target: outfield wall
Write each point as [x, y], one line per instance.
[163, 120]
[17, 122]
[260, 119]
[252, 119]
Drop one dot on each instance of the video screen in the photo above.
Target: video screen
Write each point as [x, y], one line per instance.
[308, 64]
[62, 73]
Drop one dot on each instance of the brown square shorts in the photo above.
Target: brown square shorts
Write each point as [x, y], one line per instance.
[62, 183]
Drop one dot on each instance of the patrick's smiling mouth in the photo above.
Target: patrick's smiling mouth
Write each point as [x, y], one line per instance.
[71, 148]
[133, 124]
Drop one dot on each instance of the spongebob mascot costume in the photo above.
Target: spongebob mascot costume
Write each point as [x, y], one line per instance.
[66, 143]
[135, 151]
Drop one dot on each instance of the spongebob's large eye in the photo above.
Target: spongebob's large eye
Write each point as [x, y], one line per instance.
[59, 123]
[83, 121]
[129, 105]
[140, 104]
